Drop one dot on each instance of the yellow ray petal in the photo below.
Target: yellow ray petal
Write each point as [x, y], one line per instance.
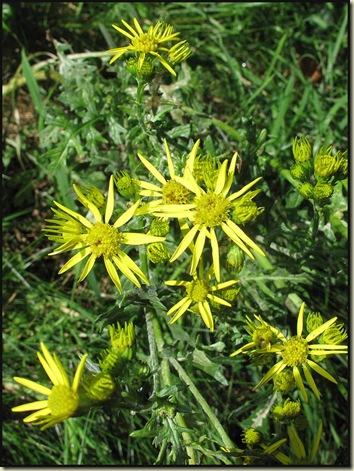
[299, 382]
[198, 249]
[206, 315]
[153, 170]
[88, 267]
[120, 52]
[234, 227]
[310, 381]
[122, 31]
[75, 259]
[79, 372]
[315, 333]
[134, 238]
[215, 253]
[243, 190]
[321, 371]
[85, 222]
[110, 201]
[36, 405]
[191, 158]
[218, 300]
[32, 385]
[176, 283]
[137, 26]
[276, 369]
[92, 207]
[300, 320]
[126, 271]
[185, 242]
[131, 265]
[163, 62]
[169, 160]
[112, 272]
[59, 372]
[181, 311]
[223, 285]
[180, 303]
[230, 233]
[220, 182]
[125, 217]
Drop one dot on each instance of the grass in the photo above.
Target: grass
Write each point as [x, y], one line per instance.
[261, 73]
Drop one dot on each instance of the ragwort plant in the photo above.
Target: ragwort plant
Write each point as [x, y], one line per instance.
[172, 232]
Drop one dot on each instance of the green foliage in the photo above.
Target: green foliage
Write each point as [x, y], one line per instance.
[260, 74]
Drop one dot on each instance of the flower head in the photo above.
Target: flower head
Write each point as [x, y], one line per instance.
[152, 43]
[207, 212]
[199, 293]
[295, 352]
[97, 239]
[63, 399]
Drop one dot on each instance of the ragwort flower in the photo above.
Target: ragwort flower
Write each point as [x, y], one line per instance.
[295, 352]
[63, 399]
[96, 239]
[209, 211]
[152, 42]
[198, 295]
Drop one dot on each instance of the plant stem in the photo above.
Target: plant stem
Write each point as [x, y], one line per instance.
[204, 405]
[153, 351]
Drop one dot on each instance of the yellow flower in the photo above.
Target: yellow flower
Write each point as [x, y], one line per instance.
[199, 292]
[208, 212]
[63, 398]
[96, 239]
[263, 335]
[170, 192]
[295, 352]
[152, 42]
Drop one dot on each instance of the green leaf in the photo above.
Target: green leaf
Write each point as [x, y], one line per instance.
[201, 361]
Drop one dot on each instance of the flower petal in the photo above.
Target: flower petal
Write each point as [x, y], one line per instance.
[215, 253]
[315, 333]
[79, 372]
[234, 227]
[110, 201]
[75, 259]
[275, 370]
[92, 207]
[243, 190]
[299, 382]
[134, 238]
[180, 303]
[183, 308]
[191, 158]
[88, 267]
[206, 315]
[36, 405]
[311, 381]
[32, 385]
[218, 300]
[187, 239]
[112, 272]
[198, 249]
[321, 371]
[300, 320]
[234, 237]
[153, 170]
[85, 222]
[125, 217]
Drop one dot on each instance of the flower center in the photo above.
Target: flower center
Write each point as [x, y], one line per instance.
[175, 193]
[104, 239]
[211, 210]
[62, 401]
[197, 290]
[295, 351]
[145, 43]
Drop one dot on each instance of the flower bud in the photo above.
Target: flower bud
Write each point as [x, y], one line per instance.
[335, 334]
[313, 320]
[205, 170]
[284, 382]
[246, 210]
[325, 165]
[291, 409]
[235, 259]
[251, 436]
[297, 171]
[125, 184]
[122, 337]
[94, 195]
[302, 149]
[322, 191]
[100, 387]
[157, 252]
[159, 227]
[342, 165]
[306, 190]
[179, 52]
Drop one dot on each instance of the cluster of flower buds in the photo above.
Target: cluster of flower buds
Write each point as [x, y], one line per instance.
[317, 173]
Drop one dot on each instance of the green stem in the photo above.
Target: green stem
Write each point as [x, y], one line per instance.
[204, 405]
[154, 362]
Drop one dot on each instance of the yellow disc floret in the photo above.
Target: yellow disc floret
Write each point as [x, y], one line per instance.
[295, 351]
[104, 239]
[211, 209]
[197, 290]
[63, 401]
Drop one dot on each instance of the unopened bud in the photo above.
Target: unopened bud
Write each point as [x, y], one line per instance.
[302, 150]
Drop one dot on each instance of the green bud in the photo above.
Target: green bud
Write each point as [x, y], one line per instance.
[94, 195]
[100, 387]
[146, 72]
[278, 413]
[313, 320]
[157, 252]
[235, 259]
[159, 227]
[322, 191]
[335, 334]
[325, 165]
[251, 437]
[122, 337]
[302, 149]
[125, 184]
[342, 163]
[306, 190]
[291, 409]
[297, 171]
[167, 411]
[230, 294]
[205, 170]
[179, 52]
[246, 210]
[284, 382]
